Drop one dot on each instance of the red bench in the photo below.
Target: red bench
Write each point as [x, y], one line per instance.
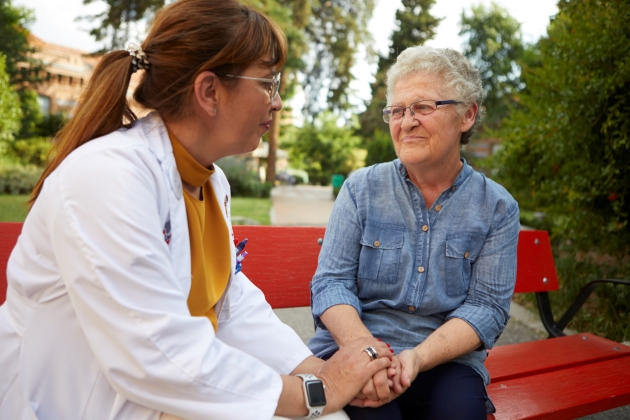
[562, 378]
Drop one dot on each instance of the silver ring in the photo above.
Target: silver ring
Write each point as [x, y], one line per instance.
[371, 351]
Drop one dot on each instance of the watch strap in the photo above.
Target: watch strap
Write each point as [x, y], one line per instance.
[313, 412]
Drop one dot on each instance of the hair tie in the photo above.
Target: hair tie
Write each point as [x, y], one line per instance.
[139, 60]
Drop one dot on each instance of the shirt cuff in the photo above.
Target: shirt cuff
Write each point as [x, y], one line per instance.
[486, 324]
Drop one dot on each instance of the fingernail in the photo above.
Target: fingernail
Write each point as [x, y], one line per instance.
[388, 345]
[390, 359]
[378, 339]
[391, 350]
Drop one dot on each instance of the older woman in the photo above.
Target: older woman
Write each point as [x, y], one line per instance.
[124, 301]
[421, 252]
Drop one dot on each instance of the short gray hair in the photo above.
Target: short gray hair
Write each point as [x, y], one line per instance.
[459, 76]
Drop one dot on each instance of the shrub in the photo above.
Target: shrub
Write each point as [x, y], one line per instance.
[16, 178]
[31, 151]
[244, 181]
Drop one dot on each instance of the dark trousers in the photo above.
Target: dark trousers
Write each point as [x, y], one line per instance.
[450, 391]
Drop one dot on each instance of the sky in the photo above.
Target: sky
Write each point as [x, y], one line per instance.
[56, 23]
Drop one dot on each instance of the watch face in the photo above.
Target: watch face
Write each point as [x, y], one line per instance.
[316, 395]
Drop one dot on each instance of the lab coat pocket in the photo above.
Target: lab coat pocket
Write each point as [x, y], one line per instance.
[462, 250]
[381, 247]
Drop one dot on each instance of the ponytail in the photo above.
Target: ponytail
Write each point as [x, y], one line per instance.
[102, 109]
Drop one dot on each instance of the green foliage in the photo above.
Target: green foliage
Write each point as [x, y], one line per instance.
[31, 151]
[244, 181]
[116, 23]
[416, 25]
[380, 148]
[16, 178]
[13, 208]
[494, 46]
[9, 108]
[334, 31]
[322, 148]
[21, 67]
[32, 118]
[50, 126]
[567, 147]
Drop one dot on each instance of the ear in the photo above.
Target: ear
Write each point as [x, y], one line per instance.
[205, 93]
[469, 117]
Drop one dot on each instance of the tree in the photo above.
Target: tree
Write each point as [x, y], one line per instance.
[567, 146]
[322, 148]
[324, 37]
[117, 21]
[23, 69]
[9, 107]
[494, 46]
[416, 25]
[334, 32]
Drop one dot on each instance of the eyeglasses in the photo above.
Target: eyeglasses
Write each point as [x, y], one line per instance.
[272, 85]
[424, 107]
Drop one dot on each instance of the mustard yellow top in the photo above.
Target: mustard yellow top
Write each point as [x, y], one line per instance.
[209, 237]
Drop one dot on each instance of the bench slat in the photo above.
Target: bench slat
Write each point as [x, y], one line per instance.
[536, 357]
[281, 261]
[9, 233]
[564, 394]
[535, 267]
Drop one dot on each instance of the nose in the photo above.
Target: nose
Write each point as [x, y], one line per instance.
[276, 104]
[408, 123]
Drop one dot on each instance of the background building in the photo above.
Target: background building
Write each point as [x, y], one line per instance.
[67, 72]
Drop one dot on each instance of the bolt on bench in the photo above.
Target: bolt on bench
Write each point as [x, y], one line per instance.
[560, 378]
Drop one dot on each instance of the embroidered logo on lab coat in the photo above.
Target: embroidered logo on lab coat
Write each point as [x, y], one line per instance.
[167, 232]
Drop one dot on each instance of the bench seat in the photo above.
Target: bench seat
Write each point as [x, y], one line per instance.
[563, 394]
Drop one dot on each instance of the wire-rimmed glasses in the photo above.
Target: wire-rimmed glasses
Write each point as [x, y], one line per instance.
[272, 85]
[423, 107]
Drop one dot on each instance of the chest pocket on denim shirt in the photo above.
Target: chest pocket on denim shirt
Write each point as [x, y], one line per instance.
[380, 252]
[462, 250]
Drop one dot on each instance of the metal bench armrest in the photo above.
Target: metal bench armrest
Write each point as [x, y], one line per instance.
[544, 308]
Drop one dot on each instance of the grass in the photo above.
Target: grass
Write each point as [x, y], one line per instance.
[251, 208]
[13, 208]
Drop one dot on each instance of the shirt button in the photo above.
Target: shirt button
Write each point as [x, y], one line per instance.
[421, 269]
[453, 188]
[438, 208]
[377, 243]
[466, 254]
[425, 228]
[412, 308]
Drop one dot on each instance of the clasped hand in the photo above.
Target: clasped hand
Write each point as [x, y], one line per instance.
[387, 384]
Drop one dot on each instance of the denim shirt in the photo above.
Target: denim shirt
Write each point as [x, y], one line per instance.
[407, 269]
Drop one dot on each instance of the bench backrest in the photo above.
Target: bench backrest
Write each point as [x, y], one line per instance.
[281, 260]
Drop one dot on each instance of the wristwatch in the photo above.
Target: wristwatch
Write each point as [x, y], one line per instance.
[314, 395]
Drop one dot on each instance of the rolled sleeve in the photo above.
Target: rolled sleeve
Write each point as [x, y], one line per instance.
[486, 308]
[335, 281]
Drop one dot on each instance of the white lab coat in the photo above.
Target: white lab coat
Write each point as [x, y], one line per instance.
[96, 326]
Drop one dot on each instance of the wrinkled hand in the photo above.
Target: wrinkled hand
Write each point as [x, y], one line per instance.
[410, 366]
[348, 370]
